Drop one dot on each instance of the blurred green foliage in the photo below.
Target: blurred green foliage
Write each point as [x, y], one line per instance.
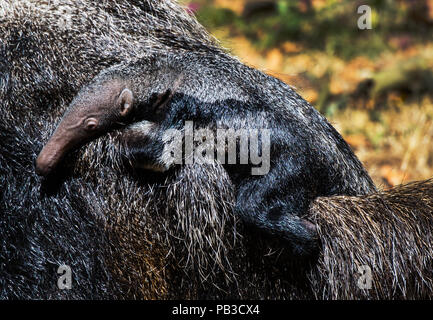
[332, 27]
[375, 85]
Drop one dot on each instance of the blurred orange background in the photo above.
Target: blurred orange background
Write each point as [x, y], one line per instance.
[374, 85]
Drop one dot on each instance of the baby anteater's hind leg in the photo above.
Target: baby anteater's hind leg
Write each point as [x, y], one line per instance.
[276, 203]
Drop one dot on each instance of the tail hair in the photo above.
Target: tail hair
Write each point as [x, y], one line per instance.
[387, 235]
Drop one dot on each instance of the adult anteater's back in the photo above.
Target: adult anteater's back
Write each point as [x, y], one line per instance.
[86, 219]
[136, 235]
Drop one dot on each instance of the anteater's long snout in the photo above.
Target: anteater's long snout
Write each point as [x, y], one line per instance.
[52, 153]
[91, 114]
[62, 141]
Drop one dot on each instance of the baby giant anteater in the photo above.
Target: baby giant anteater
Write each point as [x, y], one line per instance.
[161, 92]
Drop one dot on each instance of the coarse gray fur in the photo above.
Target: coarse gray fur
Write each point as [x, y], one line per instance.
[308, 158]
[125, 234]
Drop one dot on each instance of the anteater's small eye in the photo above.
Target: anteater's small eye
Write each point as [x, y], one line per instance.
[91, 124]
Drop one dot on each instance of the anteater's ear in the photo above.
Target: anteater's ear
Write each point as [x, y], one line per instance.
[126, 100]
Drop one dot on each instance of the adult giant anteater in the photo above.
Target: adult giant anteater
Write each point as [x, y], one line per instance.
[128, 233]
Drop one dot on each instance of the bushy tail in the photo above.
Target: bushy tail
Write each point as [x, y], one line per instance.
[389, 233]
